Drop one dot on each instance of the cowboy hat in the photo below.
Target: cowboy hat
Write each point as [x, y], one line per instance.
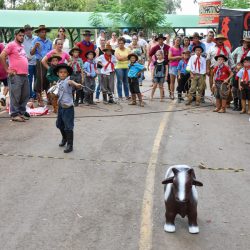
[91, 51]
[220, 36]
[42, 27]
[133, 54]
[160, 36]
[246, 39]
[63, 66]
[17, 31]
[75, 49]
[220, 56]
[28, 27]
[108, 47]
[196, 34]
[54, 56]
[87, 33]
[196, 47]
[247, 58]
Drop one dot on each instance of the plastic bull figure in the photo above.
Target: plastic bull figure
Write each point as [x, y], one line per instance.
[181, 197]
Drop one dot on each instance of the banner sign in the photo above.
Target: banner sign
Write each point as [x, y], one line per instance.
[209, 12]
[235, 25]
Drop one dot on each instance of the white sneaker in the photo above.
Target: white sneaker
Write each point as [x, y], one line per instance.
[97, 100]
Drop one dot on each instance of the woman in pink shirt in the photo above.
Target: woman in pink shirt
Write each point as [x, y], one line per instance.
[174, 56]
[59, 51]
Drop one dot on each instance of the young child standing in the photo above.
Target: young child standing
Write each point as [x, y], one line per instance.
[52, 79]
[197, 67]
[65, 117]
[90, 71]
[235, 88]
[160, 74]
[244, 84]
[183, 75]
[135, 69]
[222, 75]
[107, 61]
[77, 66]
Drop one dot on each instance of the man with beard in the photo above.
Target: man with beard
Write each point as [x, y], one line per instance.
[18, 76]
[41, 46]
[218, 49]
[241, 52]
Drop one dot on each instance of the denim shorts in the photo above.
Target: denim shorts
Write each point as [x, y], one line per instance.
[173, 70]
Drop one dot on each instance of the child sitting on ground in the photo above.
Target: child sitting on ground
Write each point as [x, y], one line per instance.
[183, 75]
[160, 74]
[107, 61]
[235, 88]
[90, 71]
[222, 75]
[77, 66]
[52, 79]
[244, 84]
[135, 69]
[65, 117]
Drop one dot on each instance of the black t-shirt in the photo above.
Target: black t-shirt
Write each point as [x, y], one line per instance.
[100, 53]
[160, 68]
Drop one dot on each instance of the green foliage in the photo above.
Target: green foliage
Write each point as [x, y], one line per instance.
[235, 4]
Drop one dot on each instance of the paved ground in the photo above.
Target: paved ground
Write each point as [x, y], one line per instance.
[86, 202]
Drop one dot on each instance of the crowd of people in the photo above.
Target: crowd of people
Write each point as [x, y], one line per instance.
[33, 66]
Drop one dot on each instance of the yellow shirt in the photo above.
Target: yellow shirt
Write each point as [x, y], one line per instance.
[123, 53]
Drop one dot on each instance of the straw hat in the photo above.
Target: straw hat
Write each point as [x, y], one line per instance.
[220, 36]
[108, 47]
[42, 27]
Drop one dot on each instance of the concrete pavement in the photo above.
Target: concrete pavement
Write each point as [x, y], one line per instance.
[86, 201]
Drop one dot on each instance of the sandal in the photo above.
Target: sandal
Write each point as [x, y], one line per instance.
[18, 119]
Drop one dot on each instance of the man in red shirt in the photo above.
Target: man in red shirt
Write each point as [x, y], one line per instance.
[222, 75]
[85, 45]
[160, 46]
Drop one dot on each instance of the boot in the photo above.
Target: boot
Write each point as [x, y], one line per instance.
[190, 99]
[179, 97]
[64, 138]
[140, 100]
[239, 105]
[91, 100]
[81, 96]
[77, 98]
[236, 101]
[105, 101]
[223, 106]
[70, 137]
[243, 103]
[198, 100]
[111, 100]
[218, 105]
[40, 99]
[133, 101]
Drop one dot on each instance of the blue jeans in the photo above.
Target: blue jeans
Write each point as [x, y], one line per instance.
[98, 88]
[122, 80]
[65, 118]
[32, 75]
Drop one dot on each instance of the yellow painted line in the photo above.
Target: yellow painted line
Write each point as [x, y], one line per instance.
[145, 241]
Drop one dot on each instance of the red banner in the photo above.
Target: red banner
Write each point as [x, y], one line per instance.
[209, 12]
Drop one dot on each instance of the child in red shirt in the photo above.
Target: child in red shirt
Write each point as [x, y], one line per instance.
[221, 88]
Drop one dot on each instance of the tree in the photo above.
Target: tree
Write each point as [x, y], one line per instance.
[242, 4]
[172, 5]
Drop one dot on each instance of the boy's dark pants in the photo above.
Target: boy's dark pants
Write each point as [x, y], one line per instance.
[65, 122]
[183, 84]
[134, 88]
[77, 77]
[89, 89]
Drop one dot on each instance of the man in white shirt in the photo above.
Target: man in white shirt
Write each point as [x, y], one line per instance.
[197, 67]
[209, 40]
[101, 35]
[127, 37]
